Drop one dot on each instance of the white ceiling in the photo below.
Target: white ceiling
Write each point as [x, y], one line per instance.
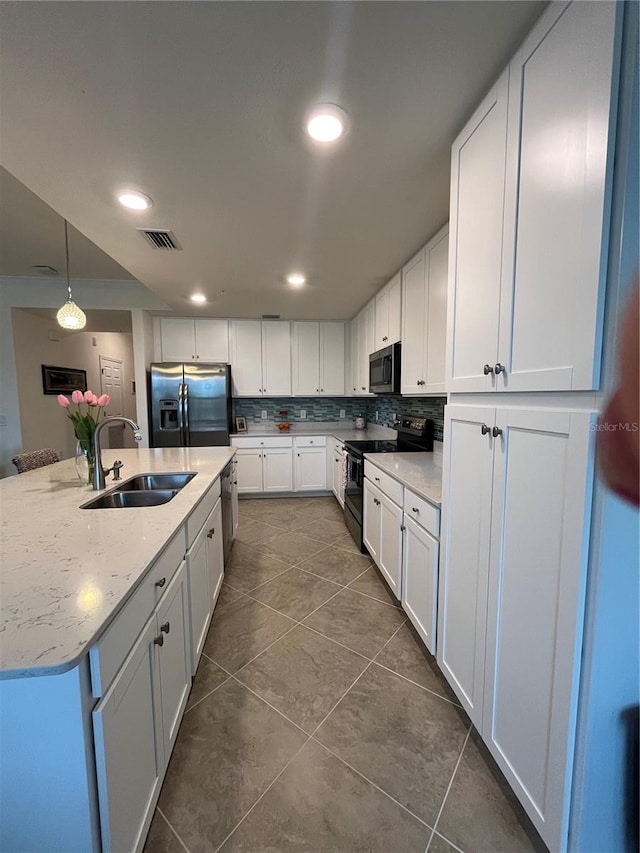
[98, 320]
[200, 105]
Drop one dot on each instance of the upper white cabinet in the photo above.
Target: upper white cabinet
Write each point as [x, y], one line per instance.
[424, 312]
[388, 313]
[363, 343]
[530, 199]
[184, 339]
[260, 355]
[318, 354]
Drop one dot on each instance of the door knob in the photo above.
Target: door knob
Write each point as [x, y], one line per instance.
[485, 429]
[487, 369]
[161, 582]
[496, 431]
[499, 368]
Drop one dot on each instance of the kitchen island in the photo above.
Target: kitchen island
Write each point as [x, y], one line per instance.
[95, 650]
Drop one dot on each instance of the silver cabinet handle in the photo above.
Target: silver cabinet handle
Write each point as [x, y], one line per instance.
[499, 368]
[496, 431]
[165, 627]
[485, 429]
[487, 369]
[161, 582]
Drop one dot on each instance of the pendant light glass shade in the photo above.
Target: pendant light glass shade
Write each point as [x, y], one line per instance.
[70, 316]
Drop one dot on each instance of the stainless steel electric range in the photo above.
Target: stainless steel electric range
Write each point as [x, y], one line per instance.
[414, 435]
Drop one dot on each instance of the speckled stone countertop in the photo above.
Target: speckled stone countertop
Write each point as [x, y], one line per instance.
[65, 572]
[342, 430]
[421, 472]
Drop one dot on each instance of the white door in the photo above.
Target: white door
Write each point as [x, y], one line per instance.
[212, 340]
[245, 352]
[355, 356]
[371, 505]
[437, 261]
[542, 484]
[390, 556]
[111, 383]
[475, 243]
[305, 354]
[414, 318]
[367, 344]
[177, 338]
[394, 289]
[464, 540]
[199, 595]
[382, 318]
[332, 359]
[277, 468]
[561, 95]
[249, 470]
[276, 358]
[172, 647]
[420, 581]
[215, 552]
[310, 469]
[129, 747]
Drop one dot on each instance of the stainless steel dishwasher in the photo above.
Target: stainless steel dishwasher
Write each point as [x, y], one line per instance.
[228, 493]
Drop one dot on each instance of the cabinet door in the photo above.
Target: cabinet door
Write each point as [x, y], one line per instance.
[390, 556]
[277, 467]
[249, 470]
[542, 483]
[212, 340]
[420, 581]
[394, 289]
[371, 520]
[306, 358]
[199, 595]
[245, 351]
[382, 318]
[332, 359]
[475, 248]
[414, 319]
[276, 358]
[215, 553]
[310, 469]
[174, 657]
[178, 339]
[437, 260]
[355, 356]
[561, 102]
[464, 540]
[366, 345]
[129, 748]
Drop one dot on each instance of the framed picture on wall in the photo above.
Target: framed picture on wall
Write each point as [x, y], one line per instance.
[241, 424]
[63, 380]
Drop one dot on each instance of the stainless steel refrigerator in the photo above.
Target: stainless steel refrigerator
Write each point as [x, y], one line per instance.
[190, 405]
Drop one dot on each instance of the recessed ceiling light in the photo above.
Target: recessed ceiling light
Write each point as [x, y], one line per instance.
[326, 123]
[296, 279]
[198, 297]
[134, 200]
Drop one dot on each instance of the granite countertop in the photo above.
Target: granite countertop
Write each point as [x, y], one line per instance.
[342, 430]
[65, 572]
[420, 472]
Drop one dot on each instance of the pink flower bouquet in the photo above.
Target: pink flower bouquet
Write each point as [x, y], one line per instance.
[85, 422]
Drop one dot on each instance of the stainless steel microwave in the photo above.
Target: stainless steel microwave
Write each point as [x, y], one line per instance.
[384, 370]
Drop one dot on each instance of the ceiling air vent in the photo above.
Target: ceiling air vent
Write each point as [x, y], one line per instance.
[160, 238]
[271, 316]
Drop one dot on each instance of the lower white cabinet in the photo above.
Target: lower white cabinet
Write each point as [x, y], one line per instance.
[335, 465]
[310, 469]
[420, 580]
[264, 470]
[382, 533]
[281, 464]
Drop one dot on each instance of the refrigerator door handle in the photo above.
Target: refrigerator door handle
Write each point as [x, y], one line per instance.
[181, 412]
[185, 405]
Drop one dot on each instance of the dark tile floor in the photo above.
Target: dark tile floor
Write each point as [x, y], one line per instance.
[317, 722]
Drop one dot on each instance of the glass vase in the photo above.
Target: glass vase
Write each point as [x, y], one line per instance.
[84, 463]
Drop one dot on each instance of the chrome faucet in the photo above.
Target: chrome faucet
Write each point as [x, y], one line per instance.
[99, 473]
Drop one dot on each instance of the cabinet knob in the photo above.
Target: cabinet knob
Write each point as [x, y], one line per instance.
[161, 582]
[485, 429]
[377, 479]
[496, 431]
[322, 390]
[317, 389]
[487, 369]
[499, 368]
[402, 528]
[159, 641]
[165, 627]
[362, 388]
[414, 509]
[210, 533]
[298, 454]
[311, 442]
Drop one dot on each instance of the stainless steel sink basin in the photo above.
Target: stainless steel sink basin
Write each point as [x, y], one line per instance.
[117, 500]
[145, 482]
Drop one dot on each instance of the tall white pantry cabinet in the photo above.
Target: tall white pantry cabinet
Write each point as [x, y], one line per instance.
[529, 244]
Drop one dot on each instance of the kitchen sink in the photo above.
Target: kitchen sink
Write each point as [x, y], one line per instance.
[116, 500]
[146, 482]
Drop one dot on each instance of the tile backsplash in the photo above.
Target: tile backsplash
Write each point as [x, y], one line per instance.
[328, 409]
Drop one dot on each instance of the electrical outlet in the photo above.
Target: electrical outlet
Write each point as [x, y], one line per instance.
[393, 416]
[342, 414]
[377, 415]
[303, 414]
[263, 414]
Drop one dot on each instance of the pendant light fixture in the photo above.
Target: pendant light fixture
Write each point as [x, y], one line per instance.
[70, 316]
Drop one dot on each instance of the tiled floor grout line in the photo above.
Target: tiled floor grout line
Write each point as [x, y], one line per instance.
[273, 707]
[449, 842]
[411, 681]
[446, 793]
[169, 824]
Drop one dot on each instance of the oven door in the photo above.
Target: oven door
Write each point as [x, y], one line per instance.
[353, 495]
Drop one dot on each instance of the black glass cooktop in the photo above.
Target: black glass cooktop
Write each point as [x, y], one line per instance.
[360, 447]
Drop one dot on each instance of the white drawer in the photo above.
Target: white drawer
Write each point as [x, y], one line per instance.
[310, 441]
[201, 512]
[392, 488]
[421, 511]
[107, 655]
[265, 441]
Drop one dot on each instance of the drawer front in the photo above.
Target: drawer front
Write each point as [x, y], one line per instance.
[265, 441]
[107, 655]
[422, 512]
[202, 512]
[392, 488]
[311, 441]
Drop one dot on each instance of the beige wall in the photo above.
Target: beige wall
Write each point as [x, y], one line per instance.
[44, 423]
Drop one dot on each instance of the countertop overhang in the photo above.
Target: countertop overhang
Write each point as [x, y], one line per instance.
[420, 472]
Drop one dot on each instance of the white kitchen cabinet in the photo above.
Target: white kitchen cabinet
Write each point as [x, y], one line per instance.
[365, 338]
[420, 580]
[530, 203]
[260, 354]
[517, 499]
[335, 464]
[264, 464]
[318, 354]
[382, 526]
[310, 464]
[277, 470]
[388, 315]
[215, 552]
[199, 595]
[354, 361]
[371, 520]
[185, 339]
[249, 470]
[414, 312]
[437, 280]
[276, 358]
